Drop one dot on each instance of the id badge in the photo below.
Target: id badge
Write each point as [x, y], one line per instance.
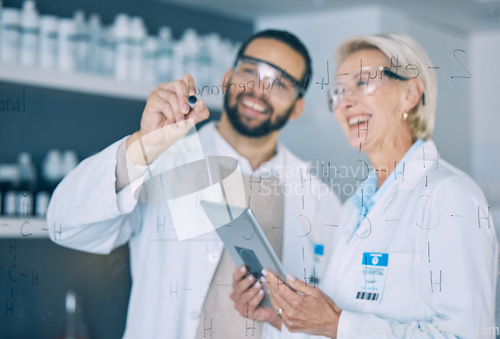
[373, 274]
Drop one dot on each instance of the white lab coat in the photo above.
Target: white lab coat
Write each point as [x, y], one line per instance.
[170, 279]
[433, 218]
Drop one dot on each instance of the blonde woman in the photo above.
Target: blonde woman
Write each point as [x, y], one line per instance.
[416, 251]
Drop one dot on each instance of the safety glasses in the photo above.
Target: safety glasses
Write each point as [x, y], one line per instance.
[255, 74]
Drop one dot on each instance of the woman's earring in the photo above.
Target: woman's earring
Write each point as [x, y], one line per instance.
[405, 116]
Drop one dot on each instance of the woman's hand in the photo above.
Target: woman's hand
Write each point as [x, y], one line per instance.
[311, 312]
[247, 294]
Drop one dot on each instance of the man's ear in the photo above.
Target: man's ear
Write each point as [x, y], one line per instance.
[413, 93]
[298, 108]
[226, 77]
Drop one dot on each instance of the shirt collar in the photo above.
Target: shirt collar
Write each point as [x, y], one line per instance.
[266, 169]
[367, 193]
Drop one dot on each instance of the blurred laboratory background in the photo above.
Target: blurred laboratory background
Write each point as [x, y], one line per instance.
[75, 75]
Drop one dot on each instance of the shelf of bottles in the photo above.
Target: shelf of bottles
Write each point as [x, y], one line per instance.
[75, 82]
[25, 192]
[120, 60]
[80, 54]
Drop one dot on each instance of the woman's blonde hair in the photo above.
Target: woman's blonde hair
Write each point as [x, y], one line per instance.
[405, 51]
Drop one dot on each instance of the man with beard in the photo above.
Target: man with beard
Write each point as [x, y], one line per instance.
[181, 289]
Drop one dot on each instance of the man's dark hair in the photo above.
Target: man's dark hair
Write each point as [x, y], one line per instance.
[288, 39]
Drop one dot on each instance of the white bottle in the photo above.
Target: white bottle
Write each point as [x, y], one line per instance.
[137, 38]
[27, 185]
[82, 42]
[66, 45]
[27, 171]
[10, 203]
[150, 60]
[204, 64]
[191, 48]
[165, 55]
[29, 34]
[41, 204]
[213, 45]
[95, 39]
[10, 35]
[52, 171]
[107, 52]
[122, 46]
[69, 161]
[74, 324]
[178, 60]
[9, 180]
[228, 54]
[48, 42]
[1, 5]
[235, 47]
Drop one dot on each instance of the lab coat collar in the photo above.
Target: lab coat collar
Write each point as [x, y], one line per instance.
[424, 160]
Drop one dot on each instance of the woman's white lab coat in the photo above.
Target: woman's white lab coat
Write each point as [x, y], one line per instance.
[434, 223]
[170, 279]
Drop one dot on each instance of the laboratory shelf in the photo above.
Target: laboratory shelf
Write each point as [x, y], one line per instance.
[25, 228]
[85, 83]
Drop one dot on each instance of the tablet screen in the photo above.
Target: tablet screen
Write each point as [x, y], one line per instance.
[251, 261]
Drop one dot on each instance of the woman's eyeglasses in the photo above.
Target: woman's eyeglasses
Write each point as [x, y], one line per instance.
[361, 82]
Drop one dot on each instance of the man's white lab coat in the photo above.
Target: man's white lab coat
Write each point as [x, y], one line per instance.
[170, 279]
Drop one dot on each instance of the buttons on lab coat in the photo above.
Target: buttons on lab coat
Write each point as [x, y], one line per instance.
[213, 257]
[195, 315]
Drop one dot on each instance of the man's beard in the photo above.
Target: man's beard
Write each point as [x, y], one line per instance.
[263, 129]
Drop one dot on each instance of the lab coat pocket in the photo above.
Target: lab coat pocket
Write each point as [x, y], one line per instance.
[401, 295]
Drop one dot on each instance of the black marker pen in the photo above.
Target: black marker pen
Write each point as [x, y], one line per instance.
[192, 100]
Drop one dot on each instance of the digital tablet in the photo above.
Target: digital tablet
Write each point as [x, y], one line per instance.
[244, 240]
